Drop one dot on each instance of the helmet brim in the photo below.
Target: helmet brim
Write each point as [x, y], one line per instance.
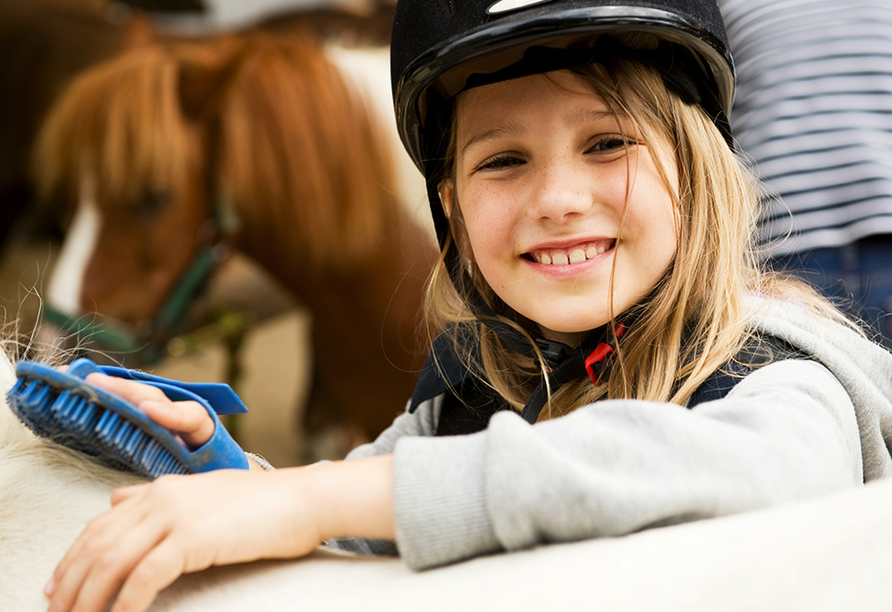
[444, 71]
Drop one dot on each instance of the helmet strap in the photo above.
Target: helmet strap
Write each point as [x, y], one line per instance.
[593, 357]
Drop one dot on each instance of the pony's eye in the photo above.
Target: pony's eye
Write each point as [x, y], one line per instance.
[150, 202]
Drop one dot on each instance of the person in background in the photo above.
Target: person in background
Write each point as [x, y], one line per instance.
[813, 109]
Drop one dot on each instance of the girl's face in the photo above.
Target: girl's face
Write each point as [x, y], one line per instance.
[554, 196]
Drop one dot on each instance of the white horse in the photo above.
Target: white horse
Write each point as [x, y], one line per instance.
[831, 553]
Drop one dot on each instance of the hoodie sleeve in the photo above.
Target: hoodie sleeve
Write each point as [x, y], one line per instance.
[785, 432]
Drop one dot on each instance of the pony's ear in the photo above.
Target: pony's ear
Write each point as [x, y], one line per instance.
[139, 32]
[205, 77]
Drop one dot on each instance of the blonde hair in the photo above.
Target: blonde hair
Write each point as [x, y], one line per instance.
[693, 322]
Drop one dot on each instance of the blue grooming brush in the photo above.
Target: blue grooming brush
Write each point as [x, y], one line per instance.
[63, 407]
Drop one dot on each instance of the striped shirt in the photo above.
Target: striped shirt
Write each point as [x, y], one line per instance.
[813, 110]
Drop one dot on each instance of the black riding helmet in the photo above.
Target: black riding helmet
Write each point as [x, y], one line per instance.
[442, 47]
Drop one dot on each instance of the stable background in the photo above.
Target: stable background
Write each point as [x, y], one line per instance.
[276, 367]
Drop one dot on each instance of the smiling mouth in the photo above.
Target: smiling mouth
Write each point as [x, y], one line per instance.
[573, 255]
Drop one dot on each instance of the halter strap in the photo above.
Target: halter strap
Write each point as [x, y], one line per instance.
[115, 336]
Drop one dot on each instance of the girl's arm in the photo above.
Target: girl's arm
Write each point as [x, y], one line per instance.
[157, 531]
[786, 432]
[178, 524]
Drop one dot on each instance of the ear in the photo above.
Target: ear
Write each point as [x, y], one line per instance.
[206, 73]
[447, 193]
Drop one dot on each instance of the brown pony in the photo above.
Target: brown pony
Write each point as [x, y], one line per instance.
[44, 44]
[260, 142]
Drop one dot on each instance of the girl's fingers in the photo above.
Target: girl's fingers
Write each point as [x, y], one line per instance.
[125, 493]
[108, 570]
[154, 573]
[188, 419]
[100, 535]
[176, 524]
[133, 391]
[105, 527]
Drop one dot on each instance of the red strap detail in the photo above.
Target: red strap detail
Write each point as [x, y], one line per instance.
[596, 356]
[601, 352]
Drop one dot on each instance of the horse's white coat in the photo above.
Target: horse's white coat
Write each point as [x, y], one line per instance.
[827, 554]
[47, 495]
[64, 287]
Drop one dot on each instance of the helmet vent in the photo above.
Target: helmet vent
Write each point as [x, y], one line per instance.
[503, 6]
[447, 7]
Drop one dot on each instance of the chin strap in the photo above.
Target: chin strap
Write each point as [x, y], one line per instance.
[593, 357]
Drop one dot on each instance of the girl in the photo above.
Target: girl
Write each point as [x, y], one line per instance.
[610, 360]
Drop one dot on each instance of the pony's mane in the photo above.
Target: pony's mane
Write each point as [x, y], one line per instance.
[318, 162]
[120, 122]
[297, 146]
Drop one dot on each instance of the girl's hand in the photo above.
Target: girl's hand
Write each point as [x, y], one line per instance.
[177, 524]
[157, 531]
[188, 420]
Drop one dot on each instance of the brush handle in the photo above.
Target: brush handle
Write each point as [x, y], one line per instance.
[220, 451]
[220, 396]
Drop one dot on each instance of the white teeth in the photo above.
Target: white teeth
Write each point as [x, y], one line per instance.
[577, 255]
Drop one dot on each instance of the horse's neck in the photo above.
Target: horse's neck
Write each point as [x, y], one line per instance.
[405, 251]
[368, 70]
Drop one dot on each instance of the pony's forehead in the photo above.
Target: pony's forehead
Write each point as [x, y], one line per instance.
[122, 125]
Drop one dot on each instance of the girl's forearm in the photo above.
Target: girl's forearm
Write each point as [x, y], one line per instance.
[351, 498]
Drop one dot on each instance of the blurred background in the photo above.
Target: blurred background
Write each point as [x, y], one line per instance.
[44, 46]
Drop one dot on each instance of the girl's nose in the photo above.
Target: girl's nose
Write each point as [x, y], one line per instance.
[560, 193]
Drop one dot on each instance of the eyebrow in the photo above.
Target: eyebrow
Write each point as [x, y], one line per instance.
[513, 129]
[589, 116]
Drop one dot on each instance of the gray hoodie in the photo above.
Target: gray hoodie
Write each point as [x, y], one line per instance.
[790, 430]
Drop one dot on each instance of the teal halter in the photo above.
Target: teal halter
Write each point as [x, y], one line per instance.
[149, 347]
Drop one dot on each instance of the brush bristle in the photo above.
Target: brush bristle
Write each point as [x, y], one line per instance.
[80, 423]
